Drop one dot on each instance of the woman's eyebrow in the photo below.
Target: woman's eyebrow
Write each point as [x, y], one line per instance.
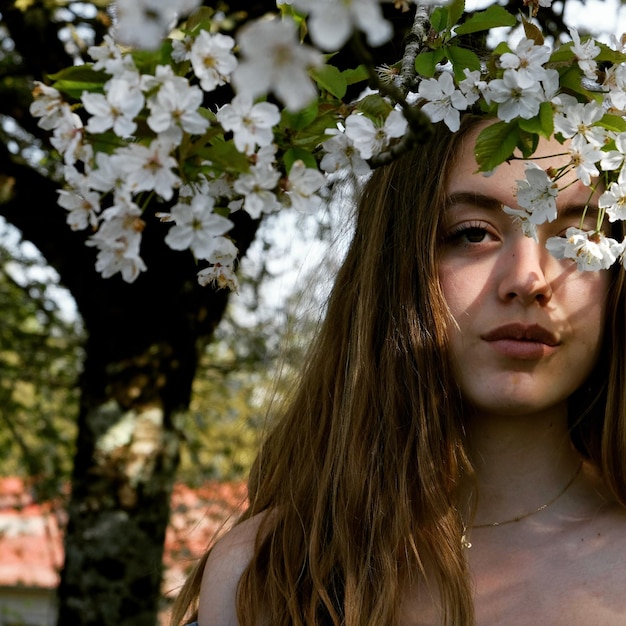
[489, 202]
[473, 198]
[577, 209]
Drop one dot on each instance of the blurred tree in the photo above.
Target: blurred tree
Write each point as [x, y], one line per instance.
[246, 373]
[40, 356]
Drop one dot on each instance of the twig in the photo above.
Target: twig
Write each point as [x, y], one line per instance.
[415, 41]
[420, 127]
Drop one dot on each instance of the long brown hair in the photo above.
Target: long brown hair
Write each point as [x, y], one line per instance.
[362, 473]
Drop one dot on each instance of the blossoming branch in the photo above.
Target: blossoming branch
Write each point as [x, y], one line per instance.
[132, 127]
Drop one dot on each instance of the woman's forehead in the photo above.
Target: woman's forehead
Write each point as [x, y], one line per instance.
[549, 155]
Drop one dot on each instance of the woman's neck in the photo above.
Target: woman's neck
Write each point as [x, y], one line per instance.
[521, 463]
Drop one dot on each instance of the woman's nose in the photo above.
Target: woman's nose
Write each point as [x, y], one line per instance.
[523, 273]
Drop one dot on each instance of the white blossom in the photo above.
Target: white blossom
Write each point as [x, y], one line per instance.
[579, 119]
[148, 168]
[224, 252]
[527, 61]
[369, 139]
[537, 194]
[615, 82]
[48, 105]
[591, 250]
[443, 100]
[181, 49]
[331, 22]
[302, 184]
[266, 156]
[523, 218]
[614, 201]
[83, 208]
[196, 226]
[251, 124]
[274, 60]
[614, 159]
[341, 155]
[116, 109]
[118, 241]
[123, 257]
[552, 92]
[256, 187]
[585, 53]
[514, 98]
[162, 74]
[221, 275]
[107, 56]
[68, 137]
[472, 85]
[143, 23]
[107, 175]
[584, 158]
[212, 59]
[174, 109]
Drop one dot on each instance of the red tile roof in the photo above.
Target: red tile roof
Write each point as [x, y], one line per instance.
[31, 541]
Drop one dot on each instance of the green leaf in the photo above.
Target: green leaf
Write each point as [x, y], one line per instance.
[571, 80]
[439, 19]
[546, 115]
[300, 119]
[356, 75]
[495, 144]
[613, 122]
[330, 79]
[527, 143]
[315, 133]
[106, 142]
[426, 62]
[374, 106]
[146, 61]
[607, 53]
[542, 124]
[76, 79]
[532, 32]
[200, 19]
[297, 154]
[462, 58]
[225, 156]
[502, 48]
[563, 54]
[494, 17]
[455, 11]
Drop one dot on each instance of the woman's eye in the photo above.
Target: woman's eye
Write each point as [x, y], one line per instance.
[468, 234]
[475, 234]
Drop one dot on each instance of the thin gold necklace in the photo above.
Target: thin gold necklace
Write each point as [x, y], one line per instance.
[467, 544]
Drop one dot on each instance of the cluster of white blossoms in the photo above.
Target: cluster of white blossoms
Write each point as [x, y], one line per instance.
[133, 128]
[110, 174]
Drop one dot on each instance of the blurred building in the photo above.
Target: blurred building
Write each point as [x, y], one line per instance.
[31, 545]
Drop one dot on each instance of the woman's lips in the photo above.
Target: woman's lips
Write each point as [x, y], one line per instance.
[522, 341]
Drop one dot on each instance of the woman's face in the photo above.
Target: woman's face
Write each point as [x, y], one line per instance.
[528, 326]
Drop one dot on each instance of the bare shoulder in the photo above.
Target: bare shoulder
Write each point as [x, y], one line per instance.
[226, 563]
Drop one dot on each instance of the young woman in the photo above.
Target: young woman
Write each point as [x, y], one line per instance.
[455, 451]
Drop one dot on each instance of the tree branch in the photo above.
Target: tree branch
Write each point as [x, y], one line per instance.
[420, 127]
[415, 41]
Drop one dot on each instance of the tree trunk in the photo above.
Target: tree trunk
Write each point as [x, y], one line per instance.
[141, 355]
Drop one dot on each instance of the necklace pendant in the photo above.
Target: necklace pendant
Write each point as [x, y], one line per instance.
[465, 543]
